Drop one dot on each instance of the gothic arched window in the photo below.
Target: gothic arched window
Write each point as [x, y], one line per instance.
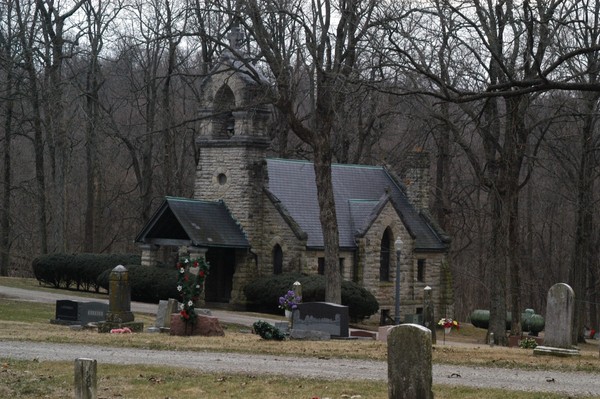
[223, 106]
[277, 259]
[384, 256]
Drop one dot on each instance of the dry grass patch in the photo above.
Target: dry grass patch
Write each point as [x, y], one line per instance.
[54, 380]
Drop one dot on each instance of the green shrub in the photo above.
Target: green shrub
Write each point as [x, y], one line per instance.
[263, 294]
[267, 331]
[528, 343]
[148, 283]
[79, 271]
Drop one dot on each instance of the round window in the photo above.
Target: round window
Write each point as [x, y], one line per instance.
[221, 178]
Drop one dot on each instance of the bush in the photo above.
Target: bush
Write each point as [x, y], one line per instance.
[263, 294]
[267, 331]
[148, 283]
[528, 343]
[77, 270]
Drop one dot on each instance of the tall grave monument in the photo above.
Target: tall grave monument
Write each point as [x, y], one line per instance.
[119, 303]
[558, 340]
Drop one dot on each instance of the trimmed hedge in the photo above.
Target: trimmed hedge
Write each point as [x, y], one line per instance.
[78, 271]
[148, 284]
[263, 294]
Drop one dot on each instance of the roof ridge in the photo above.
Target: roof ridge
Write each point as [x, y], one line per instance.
[334, 164]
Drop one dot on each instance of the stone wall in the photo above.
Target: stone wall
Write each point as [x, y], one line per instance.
[416, 179]
[234, 172]
[411, 290]
[277, 231]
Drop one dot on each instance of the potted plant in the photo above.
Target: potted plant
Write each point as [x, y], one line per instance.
[447, 324]
[289, 302]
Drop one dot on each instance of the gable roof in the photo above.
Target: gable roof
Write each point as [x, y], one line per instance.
[360, 193]
[182, 221]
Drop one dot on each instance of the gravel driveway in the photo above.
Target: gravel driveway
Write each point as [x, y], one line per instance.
[572, 384]
[567, 383]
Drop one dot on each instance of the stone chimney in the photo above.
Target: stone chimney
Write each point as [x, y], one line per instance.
[416, 179]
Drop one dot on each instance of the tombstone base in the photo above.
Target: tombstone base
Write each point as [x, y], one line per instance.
[551, 351]
[65, 322]
[206, 326]
[134, 326]
[310, 335]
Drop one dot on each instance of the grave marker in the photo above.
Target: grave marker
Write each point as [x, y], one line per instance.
[560, 308]
[86, 386]
[119, 313]
[91, 312]
[409, 362]
[163, 314]
[329, 318]
[66, 311]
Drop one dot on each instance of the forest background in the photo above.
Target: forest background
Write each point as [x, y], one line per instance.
[101, 104]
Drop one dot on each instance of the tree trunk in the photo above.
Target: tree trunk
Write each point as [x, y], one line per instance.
[497, 276]
[327, 216]
[38, 141]
[7, 183]
[583, 246]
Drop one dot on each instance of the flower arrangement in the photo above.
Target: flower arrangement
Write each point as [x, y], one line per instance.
[448, 323]
[190, 283]
[289, 301]
[267, 331]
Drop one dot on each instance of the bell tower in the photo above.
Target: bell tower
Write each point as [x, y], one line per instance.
[233, 140]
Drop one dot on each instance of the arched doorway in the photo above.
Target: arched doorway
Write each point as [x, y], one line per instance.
[219, 281]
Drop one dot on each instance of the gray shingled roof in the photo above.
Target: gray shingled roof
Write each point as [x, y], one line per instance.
[358, 190]
[193, 222]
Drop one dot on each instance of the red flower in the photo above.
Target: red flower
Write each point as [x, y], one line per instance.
[185, 278]
[185, 314]
[196, 264]
[201, 274]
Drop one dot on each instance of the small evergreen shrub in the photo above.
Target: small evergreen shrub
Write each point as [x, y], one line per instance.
[267, 331]
[263, 294]
[528, 343]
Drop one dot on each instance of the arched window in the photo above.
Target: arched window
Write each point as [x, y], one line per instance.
[277, 259]
[384, 256]
[223, 106]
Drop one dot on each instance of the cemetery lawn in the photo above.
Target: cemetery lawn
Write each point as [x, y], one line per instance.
[54, 380]
[29, 321]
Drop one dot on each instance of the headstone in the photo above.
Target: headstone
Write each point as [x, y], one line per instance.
[66, 310]
[560, 307]
[119, 293]
[409, 362]
[119, 313]
[283, 326]
[428, 315]
[91, 312]
[326, 317]
[165, 309]
[86, 379]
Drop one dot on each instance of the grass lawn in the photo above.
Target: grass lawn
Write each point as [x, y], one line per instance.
[28, 379]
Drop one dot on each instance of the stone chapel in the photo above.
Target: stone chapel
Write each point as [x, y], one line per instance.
[252, 216]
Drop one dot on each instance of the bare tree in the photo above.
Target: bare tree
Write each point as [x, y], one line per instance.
[318, 42]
